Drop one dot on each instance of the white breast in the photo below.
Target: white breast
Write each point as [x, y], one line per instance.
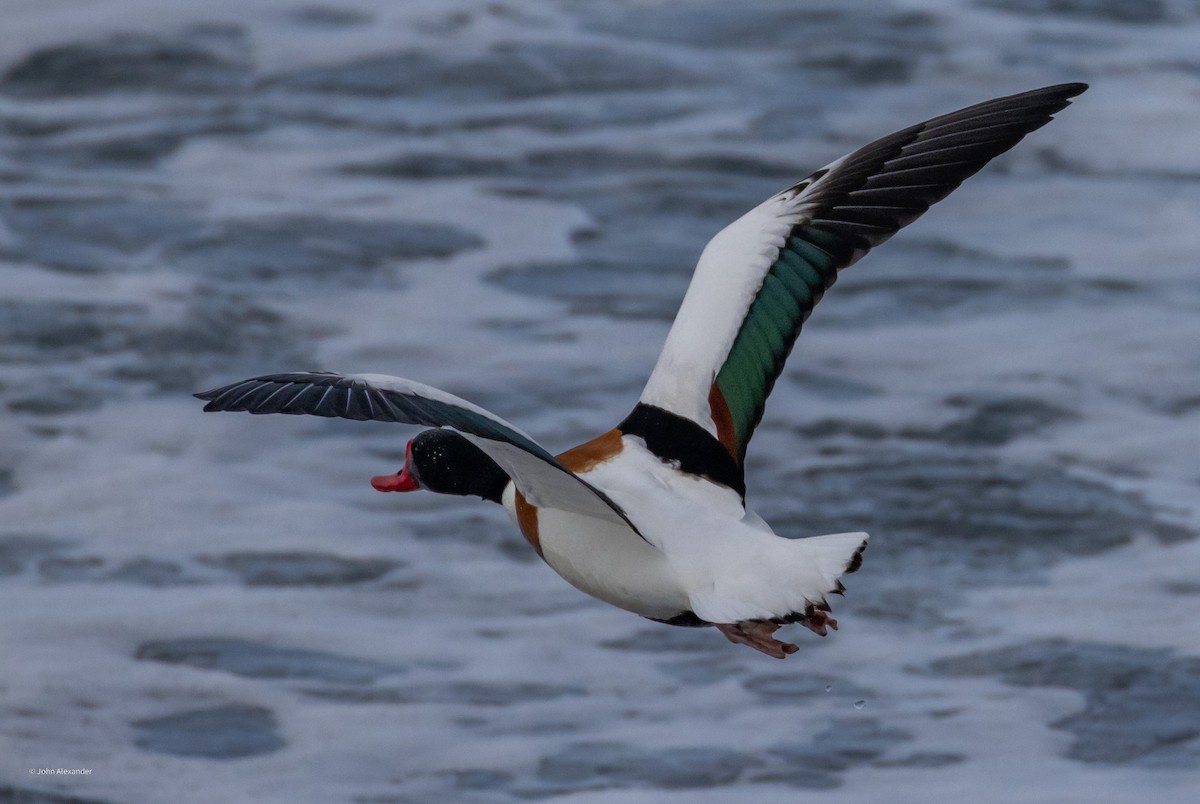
[608, 561]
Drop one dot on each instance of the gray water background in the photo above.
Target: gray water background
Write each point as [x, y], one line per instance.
[506, 200]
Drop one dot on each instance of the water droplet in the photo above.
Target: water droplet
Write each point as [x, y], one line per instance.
[859, 704]
[829, 688]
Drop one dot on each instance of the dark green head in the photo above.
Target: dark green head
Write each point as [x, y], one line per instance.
[445, 462]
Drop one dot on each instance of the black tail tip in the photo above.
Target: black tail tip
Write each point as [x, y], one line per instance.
[856, 560]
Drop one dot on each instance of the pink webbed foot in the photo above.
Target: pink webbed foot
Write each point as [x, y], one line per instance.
[757, 635]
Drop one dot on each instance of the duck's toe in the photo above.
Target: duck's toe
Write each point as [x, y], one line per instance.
[757, 634]
[817, 621]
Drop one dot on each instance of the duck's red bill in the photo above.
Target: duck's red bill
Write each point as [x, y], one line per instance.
[401, 481]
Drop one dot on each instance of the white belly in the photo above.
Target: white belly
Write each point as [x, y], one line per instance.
[607, 561]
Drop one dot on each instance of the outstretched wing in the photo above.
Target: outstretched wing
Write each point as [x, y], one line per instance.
[542, 480]
[758, 280]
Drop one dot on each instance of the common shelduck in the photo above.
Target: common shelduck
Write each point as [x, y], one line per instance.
[651, 515]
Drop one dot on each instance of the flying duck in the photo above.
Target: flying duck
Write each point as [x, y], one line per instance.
[651, 516]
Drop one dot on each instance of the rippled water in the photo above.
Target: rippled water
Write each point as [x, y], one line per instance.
[506, 200]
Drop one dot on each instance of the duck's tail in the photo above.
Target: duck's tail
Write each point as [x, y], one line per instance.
[836, 554]
[789, 582]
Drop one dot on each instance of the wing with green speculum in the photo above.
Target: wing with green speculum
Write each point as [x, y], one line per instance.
[807, 265]
[840, 213]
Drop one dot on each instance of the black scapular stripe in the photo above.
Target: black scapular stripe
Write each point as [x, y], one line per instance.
[676, 439]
